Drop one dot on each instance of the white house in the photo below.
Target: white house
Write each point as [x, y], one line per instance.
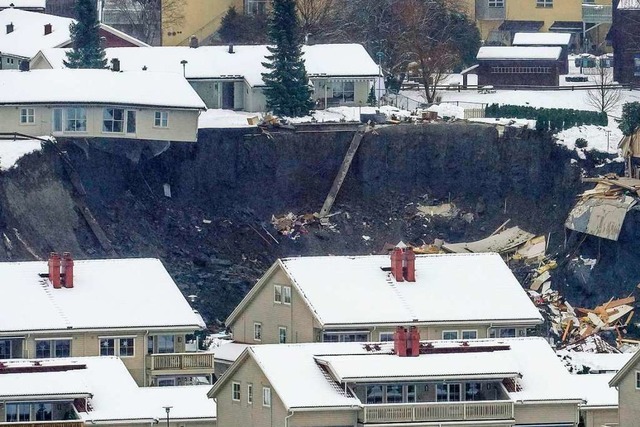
[230, 77]
[364, 298]
[23, 33]
[74, 392]
[130, 308]
[82, 103]
[508, 382]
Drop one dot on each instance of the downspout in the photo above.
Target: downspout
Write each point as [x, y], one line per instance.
[286, 419]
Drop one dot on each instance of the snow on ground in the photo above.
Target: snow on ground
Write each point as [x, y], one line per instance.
[11, 151]
[217, 118]
[518, 123]
[448, 110]
[599, 138]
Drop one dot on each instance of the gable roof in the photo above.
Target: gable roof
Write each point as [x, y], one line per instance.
[112, 392]
[98, 87]
[215, 62]
[295, 370]
[519, 52]
[31, 4]
[448, 289]
[107, 294]
[625, 369]
[28, 37]
[541, 39]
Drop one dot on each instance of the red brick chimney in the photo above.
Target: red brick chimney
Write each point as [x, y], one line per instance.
[413, 342]
[47, 29]
[397, 260]
[54, 269]
[409, 265]
[400, 341]
[67, 270]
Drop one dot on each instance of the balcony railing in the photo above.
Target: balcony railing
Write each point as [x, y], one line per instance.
[440, 411]
[58, 423]
[596, 13]
[180, 361]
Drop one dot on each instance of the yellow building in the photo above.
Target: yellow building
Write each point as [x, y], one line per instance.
[201, 19]
[498, 20]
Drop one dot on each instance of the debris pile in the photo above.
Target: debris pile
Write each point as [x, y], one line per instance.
[292, 225]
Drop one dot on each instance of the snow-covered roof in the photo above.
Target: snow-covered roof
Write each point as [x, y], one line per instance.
[629, 4]
[24, 3]
[114, 395]
[581, 361]
[448, 288]
[541, 39]
[136, 88]
[295, 371]
[595, 390]
[519, 52]
[229, 351]
[215, 62]
[28, 35]
[107, 294]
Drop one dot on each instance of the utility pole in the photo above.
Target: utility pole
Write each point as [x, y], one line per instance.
[379, 84]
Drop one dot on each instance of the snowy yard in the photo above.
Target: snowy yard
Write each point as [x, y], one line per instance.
[11, 151]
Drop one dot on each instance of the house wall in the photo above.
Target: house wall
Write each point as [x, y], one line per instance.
[9, 62]
[296, 317]
[626, 45]
[182, 124]
[201, 18]
[208, 90]
[486, 76]
[241, 413]
[599, 417]
[324, 418]
[555, 413]
[629, 398]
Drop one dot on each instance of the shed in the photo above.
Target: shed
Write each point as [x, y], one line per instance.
[519, 65]
[562, 40]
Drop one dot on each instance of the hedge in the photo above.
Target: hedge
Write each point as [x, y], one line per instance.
[553, 119]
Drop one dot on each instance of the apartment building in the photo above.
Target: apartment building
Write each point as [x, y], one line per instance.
[129, 308]
[82, 391]
[627, 382]
[364, 298]
[492, 382]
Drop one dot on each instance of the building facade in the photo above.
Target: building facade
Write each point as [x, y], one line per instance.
[519, 66]
[626, 41]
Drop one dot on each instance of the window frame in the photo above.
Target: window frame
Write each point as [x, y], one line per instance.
[257, 331]
[497, 4]
[448, 391]
[249, 394]
[117, 346]
[53, 347]
[450, 331]
[19, 413]
[235, 391]
[380, 334]
[79, 119]
[57, 120]
[161, 119]
[7, 346]
[266, 397]
[157, 344]
[637, 380]
[475, 332]
[286, 295]
[122, 122]
[277, 294]
[27, 116]
[280, 334]
[544, 4]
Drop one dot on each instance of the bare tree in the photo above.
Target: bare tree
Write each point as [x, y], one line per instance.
[604, 96]
[316, 16]
[144, 19]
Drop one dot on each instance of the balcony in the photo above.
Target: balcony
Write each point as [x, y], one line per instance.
[596, 13]
[58, 423]
[440, 411]
[180, 362]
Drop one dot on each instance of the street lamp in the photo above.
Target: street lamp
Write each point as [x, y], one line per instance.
[168, 408]
[184, 63]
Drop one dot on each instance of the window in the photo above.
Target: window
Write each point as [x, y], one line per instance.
[394, 393]
[113, 120]
[250, 394]
[472, 391]
[286, 294]
[521, 70]
[638, 380]
[386, 336]
[255, 7]
[506, 333]
[496, 3]
[449, 335]
[282, 335]
[411, 393]
[123, 347]
[53, 348]
[161, 119]
[448, 392]
[257, 331]
[374, 394]
[131, 121]
[27, 116]
[5, 349]
[76, 119]
[266, 396]
[343, 91]
[166, 382]
[235, 392]
[17, 412]
[57, 120]
[544, 3]
[277, 294]
[165, 344]
[345, 337]
[636, 65]
[43, 411]
[469, 335]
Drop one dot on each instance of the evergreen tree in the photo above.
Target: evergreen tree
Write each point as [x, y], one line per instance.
[371, 99]
[86, 51]
[287, 90]
[630, 120]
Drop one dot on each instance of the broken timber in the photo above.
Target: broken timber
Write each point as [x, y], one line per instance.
[344, 169]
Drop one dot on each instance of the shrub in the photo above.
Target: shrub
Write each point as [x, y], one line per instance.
[581, 143]
[548, 118]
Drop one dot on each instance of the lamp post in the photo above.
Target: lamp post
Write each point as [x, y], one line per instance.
[184, 63]
[380, 54]
[168, 408]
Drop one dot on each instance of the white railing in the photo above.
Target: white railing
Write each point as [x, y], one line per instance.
[180, 361]
[440, 411]
[57, 423]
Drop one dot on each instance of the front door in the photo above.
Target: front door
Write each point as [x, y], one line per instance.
[228, 99]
